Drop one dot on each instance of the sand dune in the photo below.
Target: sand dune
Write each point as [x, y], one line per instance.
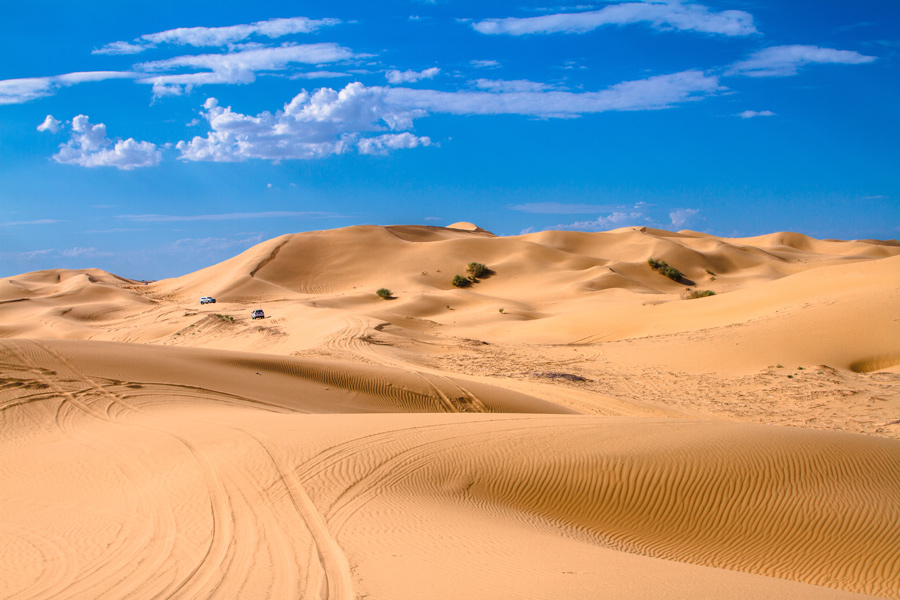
[565, 427]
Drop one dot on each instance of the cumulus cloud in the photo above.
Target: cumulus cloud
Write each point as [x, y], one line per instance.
[50, 124]
[18, 91]
[218, 36]
[681, 216]
[397, 77]
[235, 67]
[382, 144]
[749, 114]
[781, 61]
[484, 64]
[315, 125]
[89, 147]
[666, 15]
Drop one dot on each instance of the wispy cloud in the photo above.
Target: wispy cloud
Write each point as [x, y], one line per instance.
[18, 91]
[611, 221]
[235, 67]
[750, 114]
[218, 36]
[513, 85]
[659, 15]
[79, 252]
[272, 214]
[661, 91]
[484, 64]
[781, 61]
[88, 146]
[557, 208]
[35, 222]
[397, 77]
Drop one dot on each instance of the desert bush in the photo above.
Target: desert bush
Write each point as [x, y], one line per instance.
[384, 293]
[661, 266]
[226, 318]
[477, 270]
[692, 294]
[460, 281]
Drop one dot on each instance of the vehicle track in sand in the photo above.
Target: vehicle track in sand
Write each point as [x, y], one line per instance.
[238, 514]
[351, 340]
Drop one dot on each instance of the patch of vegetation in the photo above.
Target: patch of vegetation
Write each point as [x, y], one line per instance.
[692, 294]
[384, 293]
[477, 270]
[501, 311]
[226, 318]
[460, 281]
[662, 267]
[779, 366]
[558, 375]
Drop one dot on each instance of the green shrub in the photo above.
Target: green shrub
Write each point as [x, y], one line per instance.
[692, 294]
[460, 281]
[227, 318]
[476, 270]
[661, 266]
[384, 293]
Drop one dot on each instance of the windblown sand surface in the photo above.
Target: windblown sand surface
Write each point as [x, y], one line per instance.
[566, 427]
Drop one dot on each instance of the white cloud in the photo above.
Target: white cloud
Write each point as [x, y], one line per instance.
[660, 15]
[484, 64]
[332, 122]
[120, 48]
[396, 77]
[781, 61]
[681, 216]
[218, 36]
[320, 75]
[271, 214]
[85, 253]
[89, 147]
[236, 67]
[35, 222]
[749, 114]
[661, 91]
[18, 91]
[309, 126]
[557, 208]
[601, 223]
[50, 124]
[382, 144]
[514, 85]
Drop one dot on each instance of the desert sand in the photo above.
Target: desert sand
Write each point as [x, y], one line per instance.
[570, 425]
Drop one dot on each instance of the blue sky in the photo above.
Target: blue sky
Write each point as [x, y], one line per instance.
[157, 139]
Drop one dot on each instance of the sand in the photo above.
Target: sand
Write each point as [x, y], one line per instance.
[568, 426]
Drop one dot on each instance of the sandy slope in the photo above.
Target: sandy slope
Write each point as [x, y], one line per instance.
[617, 443]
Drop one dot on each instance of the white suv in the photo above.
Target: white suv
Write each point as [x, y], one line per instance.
[258, 314]
[207, 300]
